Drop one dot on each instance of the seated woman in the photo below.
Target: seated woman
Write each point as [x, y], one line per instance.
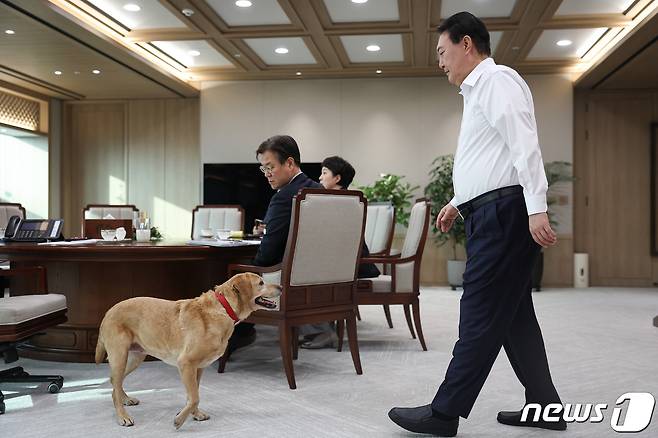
[337, 174]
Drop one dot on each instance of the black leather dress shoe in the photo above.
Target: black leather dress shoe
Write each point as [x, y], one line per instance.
[513, 418]
[423, 420]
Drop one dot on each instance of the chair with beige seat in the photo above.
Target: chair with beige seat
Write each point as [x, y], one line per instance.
[380, 227]
[318, 271]
[97, 212]
[23, 316]
[403, 285]
[216, 217]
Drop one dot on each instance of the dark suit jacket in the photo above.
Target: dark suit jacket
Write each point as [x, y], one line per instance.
[277, 218]
[367, 270]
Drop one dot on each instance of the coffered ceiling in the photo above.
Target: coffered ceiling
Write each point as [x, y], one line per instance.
[184, 42]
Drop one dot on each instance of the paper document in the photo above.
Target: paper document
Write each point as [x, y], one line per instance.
[73, 242]
[223, 243]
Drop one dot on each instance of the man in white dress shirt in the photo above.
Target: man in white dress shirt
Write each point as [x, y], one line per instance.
[500, 191]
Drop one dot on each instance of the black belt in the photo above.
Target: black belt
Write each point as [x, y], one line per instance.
[469, 207]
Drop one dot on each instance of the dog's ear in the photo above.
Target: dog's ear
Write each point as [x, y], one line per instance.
[243, 286]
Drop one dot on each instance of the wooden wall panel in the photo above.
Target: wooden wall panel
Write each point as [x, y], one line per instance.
[93, 159]
[558, 263]
[612, 187]
[182, 159]
[145, 153]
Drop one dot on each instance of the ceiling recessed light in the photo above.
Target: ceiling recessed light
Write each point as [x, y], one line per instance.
[57, 72]
[281, 50]
[516, 48]
[358, 2]
[564, 43]
[194, 53]
[373, 48]
[76, 72]
[299, 73]
[237, 55]
[132, 7]
[96, 71]
[243, 3]
[9, 32]
[378, 71]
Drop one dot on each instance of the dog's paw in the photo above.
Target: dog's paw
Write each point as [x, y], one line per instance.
[179, 420]
[130, 401]
[199, 415]
[126, 421]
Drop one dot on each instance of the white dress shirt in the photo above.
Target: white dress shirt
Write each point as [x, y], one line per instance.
[498, 144]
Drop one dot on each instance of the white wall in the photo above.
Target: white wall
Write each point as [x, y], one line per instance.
[24, 173]
[380, 125]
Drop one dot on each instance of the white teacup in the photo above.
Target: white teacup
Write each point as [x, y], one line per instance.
[223, 234]
[143, 235]
[207, 232]
[108, 234]
[121, 233]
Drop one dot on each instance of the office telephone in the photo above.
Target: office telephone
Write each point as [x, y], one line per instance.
[33, 230]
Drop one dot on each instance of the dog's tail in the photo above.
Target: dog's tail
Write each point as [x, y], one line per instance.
[100, 349]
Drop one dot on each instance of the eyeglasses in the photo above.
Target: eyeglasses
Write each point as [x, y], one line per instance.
[266, 170]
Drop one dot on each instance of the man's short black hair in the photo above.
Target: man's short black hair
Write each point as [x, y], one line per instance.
[339, 166]
[464, 23]
[284, 146]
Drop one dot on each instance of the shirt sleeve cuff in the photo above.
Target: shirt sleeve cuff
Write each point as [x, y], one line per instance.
[453, 201]
[535, 204]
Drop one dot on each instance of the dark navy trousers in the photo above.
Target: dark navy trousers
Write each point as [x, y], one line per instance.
[496, 310]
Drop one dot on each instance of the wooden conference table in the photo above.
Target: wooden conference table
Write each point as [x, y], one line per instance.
[94, 277]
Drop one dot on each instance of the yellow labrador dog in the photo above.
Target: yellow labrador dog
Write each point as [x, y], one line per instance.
[188, 334]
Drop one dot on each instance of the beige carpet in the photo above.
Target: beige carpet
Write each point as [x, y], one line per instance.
[601, 344]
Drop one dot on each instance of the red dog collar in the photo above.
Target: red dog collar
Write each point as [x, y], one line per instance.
[227, 306]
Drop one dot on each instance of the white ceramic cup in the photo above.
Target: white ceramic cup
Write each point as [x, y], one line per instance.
[108, 234]
[223, 234]
[207, 232]
[121, 233]
[143, 235]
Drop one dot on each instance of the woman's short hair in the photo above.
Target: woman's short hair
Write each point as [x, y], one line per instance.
[339, 166]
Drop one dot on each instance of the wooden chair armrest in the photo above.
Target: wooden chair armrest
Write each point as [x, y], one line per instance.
[387, 259]
[235, 268]
[29, 270]
[380, 258]
[363, 284]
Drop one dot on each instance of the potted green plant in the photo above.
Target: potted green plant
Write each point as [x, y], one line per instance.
[391, 188]
[440, 191]
[556, 172]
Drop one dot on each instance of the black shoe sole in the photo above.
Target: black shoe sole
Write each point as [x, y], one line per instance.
[416, 428]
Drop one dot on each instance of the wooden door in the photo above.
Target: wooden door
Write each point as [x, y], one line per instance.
[612, 163]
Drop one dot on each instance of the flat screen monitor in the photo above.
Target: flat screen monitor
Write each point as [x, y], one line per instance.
[244, 184]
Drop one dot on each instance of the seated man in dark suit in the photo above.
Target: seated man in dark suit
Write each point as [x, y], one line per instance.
[280, 160]
[337, 174]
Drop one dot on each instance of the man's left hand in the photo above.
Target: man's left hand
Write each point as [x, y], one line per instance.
[541, 231]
